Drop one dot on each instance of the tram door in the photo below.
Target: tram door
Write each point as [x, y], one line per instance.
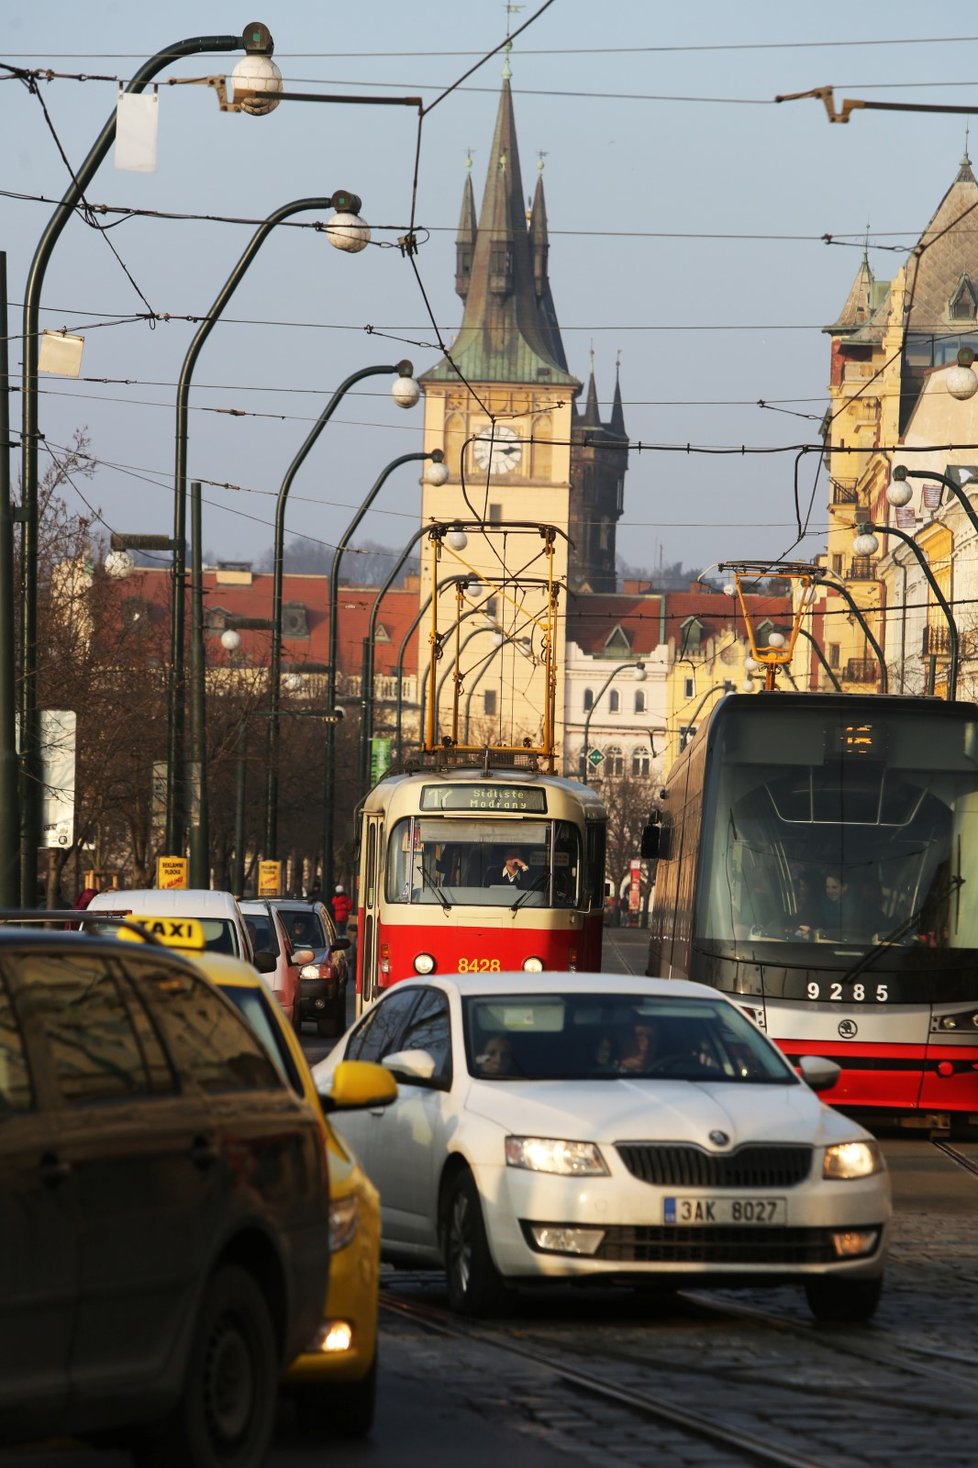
[372, 853]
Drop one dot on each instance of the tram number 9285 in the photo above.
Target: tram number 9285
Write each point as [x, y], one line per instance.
[842, 993]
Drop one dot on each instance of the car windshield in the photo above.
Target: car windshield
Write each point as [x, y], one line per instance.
[484, 863]
[583, 1037]
[305, 928]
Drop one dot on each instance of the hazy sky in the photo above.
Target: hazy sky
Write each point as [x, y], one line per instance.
[686, 217]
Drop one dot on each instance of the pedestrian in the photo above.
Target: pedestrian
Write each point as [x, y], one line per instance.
[341, 905]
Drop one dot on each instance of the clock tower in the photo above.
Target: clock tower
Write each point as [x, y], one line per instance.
[501, 405]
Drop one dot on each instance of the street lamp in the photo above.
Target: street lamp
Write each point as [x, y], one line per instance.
[688, 729]
[866, 544]
[256, 40]
[900, 494]
[639, 672]
[405, 392]
[341, 200]
[438, 469]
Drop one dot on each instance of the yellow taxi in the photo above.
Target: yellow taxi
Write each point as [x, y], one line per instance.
[334, 1381]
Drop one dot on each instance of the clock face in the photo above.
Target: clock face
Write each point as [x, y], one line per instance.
[499, 452]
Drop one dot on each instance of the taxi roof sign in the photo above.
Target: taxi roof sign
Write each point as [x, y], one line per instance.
[175, 932]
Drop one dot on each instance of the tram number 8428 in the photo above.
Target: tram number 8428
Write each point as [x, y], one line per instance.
[849, 993]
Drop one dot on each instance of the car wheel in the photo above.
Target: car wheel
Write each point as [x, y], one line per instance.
[843, 1301]
[343, 1411]
[475, 1286]
[226, 1415]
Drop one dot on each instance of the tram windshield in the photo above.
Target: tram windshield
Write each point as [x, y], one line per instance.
[484, 863]
[853, 833]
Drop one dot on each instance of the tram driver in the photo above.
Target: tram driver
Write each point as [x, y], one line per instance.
[513, 871]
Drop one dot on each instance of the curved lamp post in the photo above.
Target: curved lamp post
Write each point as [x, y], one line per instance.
[348, 238]
[405, 392]
[639, 669]
[437, 459]
[866, 544]
[821, 657]
[899, 492]
[686, 729]
[840, 588]
[258, 42]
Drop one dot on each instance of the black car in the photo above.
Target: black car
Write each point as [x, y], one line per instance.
[164, 1208]
[323, 982]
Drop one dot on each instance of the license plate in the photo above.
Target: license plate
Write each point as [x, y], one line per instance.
[690, 1212]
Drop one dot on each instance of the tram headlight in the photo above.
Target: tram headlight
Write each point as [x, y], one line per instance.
[533, 965]
[424, 963]
[547, 1154]
[848, 1160]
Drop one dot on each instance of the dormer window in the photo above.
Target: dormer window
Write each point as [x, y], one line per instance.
[618, 641]
[295, 621]
[692, 630]
[963, 305]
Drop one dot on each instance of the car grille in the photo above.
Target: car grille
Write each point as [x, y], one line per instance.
[764, 1246]
[673, 1166]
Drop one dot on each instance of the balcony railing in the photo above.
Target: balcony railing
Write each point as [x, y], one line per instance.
[861, 670]
[861, 568]
[936, 640]
[844, 494]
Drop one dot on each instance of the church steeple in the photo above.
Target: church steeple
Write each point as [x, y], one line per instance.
[540, 253]
[509, 332]
[617, 424]
[465, 239]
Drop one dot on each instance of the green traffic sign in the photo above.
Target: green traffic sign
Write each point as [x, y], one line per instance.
[595, 758]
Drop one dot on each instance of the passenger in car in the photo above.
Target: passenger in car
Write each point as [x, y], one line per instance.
[497, 1057]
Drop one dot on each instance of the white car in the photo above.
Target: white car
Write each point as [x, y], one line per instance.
[571, 1126]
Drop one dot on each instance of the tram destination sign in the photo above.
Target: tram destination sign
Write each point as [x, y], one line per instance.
[493, 797]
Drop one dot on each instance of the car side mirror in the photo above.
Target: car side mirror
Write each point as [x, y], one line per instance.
[412, 1065]
[302, 955]
[338, 944]
[818, 1072]
[265, 962]
[357, 1086]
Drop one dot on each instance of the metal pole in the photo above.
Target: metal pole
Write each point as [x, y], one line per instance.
[403, 369]
[30, 728]
[867, 527]
[821, 657]
[9, 804]
[587, 722]
[329, 788]
[174, 784]
[200, 865]
[901, 472]
[486, 664]
[237, 872]
[850, 602]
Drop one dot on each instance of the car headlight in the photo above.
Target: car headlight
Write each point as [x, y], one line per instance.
[852, 1159]
[546, 1154]
[344, 1220]
[424, 964]
[309, 971]
[533, 965]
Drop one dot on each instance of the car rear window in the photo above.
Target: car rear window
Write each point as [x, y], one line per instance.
[208, 1038]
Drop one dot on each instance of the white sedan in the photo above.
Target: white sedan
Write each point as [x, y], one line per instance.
[563, 1126]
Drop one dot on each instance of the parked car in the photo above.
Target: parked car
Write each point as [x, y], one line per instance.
[268, 935]
[164, 1204]
[589, 1127]
[334, 1379]
[323, 982]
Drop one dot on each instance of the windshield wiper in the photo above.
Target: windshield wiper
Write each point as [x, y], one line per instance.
[536, 885]
[906, 926]
[426, 880]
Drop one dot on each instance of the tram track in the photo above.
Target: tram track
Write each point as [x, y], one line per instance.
[733, 1440]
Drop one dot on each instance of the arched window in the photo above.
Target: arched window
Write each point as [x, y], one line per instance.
[614, 701]
[454, 439]
[640, 701]
[614, 762]
[588, 699]
[641, 762]
[541, 458]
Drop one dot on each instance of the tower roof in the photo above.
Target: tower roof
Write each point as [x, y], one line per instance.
[946, 253]
[509, 332]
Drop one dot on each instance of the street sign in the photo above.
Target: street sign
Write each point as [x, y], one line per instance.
[171, 871]
[380, 757]
[269, 879]
[595, 758]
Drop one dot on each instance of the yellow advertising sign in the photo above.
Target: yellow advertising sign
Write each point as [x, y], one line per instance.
[269, 879]
[174, 932]
[171, 871]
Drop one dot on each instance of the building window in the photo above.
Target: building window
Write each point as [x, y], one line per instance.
[689, 687]
[491, 607]
[489, 701]
[614, 701]
[495, 514]
[641, 763]
[588, 699]
[639, 701]
[614, 761]
[833, 651]
[837, 565]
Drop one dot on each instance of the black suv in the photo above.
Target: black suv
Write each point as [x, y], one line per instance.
[164, 1209]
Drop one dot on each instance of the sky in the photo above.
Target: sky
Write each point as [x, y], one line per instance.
[687, 216]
